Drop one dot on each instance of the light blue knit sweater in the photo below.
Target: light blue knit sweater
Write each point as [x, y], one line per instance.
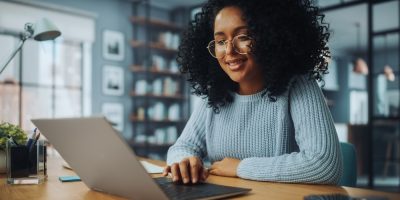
[290, 140]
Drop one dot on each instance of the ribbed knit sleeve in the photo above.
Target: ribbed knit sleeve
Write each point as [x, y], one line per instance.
[192, 140]
[318, 160]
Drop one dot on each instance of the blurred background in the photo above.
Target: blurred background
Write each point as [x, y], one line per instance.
[117, 58]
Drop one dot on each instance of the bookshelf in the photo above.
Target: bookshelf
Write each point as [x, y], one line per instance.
[160, 95]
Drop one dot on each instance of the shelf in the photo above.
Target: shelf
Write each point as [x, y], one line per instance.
[386, 121]
[152, 96]
[161, 148]
[386, 118]
[136, 120]
[155, 71]
[154, 46]
[149, 53]
[155, 23]
[358, 125]
[145, 144]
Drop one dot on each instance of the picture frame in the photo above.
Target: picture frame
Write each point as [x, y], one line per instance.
[113, 45]
[113, 80]
[114, 113]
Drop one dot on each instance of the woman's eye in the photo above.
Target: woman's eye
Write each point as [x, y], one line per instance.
[220, 42]
[243, 38]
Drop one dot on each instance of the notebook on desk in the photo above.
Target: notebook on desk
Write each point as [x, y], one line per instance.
[106, 163]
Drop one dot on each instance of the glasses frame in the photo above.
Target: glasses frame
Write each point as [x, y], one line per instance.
[232, 43]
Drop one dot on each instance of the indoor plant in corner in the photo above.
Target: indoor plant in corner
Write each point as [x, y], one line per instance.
[8, 130]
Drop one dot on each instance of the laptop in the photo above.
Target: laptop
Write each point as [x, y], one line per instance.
[106, 163]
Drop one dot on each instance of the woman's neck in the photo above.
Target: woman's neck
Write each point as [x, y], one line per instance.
[250, 88]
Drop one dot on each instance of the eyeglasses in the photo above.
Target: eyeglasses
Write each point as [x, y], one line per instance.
[241, 44]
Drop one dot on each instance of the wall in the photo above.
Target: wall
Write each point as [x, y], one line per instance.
[340, 108]
[111, 15]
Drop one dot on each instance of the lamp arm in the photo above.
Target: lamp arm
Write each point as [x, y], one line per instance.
[28, 33]
[21, 43]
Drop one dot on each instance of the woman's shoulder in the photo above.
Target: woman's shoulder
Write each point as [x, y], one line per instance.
[200, 104]
[301, 81]
[199, 101]
[303, 86]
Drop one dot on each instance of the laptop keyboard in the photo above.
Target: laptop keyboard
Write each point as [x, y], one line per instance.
[197, 191]
[175, 191]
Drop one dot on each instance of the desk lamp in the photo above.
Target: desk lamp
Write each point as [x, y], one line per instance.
[42, 30]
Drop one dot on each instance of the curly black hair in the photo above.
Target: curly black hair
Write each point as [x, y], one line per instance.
[290, 38]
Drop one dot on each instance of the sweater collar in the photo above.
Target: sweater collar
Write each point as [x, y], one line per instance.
[251, 97]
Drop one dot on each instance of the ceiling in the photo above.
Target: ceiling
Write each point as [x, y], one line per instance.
[342, 22]
[344, 32]
[170, 4]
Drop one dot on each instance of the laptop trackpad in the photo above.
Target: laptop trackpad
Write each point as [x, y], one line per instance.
[197, 191]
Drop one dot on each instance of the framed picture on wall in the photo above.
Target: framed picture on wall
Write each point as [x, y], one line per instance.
[113, 80]
[114, 112]
[113, 45]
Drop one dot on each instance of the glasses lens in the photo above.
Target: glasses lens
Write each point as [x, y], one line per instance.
[220, 47]
[217, 49]
[211, 48]
[242, 44]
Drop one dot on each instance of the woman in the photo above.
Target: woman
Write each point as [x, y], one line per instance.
[264, 117]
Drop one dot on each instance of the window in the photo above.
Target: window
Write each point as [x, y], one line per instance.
[43, 81]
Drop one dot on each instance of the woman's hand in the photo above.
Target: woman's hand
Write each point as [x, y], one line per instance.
[225, 167]
[189, 170]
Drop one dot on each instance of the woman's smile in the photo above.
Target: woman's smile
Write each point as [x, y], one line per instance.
[235, 64]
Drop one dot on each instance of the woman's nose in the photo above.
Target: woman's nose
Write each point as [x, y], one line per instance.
[229, 48]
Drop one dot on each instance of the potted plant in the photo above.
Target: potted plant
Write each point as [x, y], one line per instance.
[8, 130]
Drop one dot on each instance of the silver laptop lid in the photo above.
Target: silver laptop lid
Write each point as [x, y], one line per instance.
[100, 156]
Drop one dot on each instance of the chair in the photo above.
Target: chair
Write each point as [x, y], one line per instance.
[349, 177]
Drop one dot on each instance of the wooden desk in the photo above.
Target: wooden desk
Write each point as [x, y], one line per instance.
[54, 189]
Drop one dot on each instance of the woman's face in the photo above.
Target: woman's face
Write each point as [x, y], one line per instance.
[241, 68]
